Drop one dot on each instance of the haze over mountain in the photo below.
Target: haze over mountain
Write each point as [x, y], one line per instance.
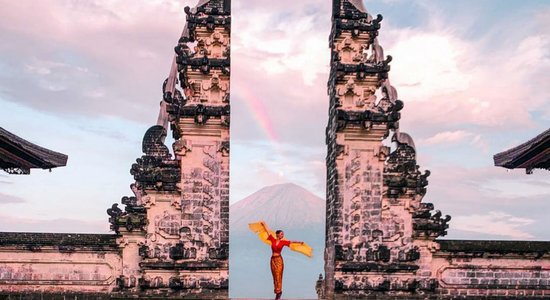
[283, 205]
[301, 215]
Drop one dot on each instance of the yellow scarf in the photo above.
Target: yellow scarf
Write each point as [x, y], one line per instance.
[263, 235]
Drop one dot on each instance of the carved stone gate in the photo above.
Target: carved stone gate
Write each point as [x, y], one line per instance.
[175, 229]
[380, 236]
[172, 237]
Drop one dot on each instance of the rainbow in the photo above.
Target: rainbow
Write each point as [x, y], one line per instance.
[258, 110]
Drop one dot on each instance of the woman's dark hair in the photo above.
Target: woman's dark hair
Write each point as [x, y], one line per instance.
[278, 231]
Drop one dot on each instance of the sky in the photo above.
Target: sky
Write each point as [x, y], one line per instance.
[84, 78]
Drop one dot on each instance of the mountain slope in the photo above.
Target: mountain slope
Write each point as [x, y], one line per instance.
[281, 206]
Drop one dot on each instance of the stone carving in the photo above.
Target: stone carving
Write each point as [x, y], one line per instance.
[367, 118]
[212, 90]
[404, 178]
[156, 169]
[133, 218]
[182, 49]
[175, 283]
[128, 221]
[368, 98]
[114, 211]
[217, 89]
[217, 43]
[201, 113]
[428, 225]
[373, 195]
[348, 50]
[124, 282]
[153, 142]
[377, 55]
[353, 21]
[181, 147]
[224, 148]
[168, 224]
[389, 91]
[185, 198]
[349, 93]
[172, 96]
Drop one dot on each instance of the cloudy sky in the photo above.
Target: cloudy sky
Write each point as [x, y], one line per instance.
[84, 78]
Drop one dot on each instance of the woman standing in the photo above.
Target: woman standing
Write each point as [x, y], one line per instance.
[277, 263]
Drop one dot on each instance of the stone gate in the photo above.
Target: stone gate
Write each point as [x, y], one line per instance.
[172, 237]
[381, 238]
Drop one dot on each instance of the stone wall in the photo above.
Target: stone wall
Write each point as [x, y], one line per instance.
[46, 263]
[492, 268]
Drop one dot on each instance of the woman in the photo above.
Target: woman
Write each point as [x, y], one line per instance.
[277, 264]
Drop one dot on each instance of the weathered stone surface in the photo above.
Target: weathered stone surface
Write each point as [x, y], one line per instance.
[59, 240]
[369, 213]
[513, 269]
[182, 248]
[380, 236]
[172, 237]
[481, 247]
[58, 263]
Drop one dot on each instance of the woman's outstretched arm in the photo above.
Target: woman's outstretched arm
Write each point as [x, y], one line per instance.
[297, 242]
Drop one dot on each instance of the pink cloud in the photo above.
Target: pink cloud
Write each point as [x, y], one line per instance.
[62, 225]
[449, 80]
[92, 57]
[494, 223]
[6, 198]
[447, 137]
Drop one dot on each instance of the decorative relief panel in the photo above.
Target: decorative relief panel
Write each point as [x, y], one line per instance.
[349, 50]
[168, 225]
[495, 277]
[213, 89]
[354, 94]
[217, 45]
[56, 272]
[204, 190]
[354, 50]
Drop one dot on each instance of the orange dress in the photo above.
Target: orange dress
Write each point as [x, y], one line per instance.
[277, 264]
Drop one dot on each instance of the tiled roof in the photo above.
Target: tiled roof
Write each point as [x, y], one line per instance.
[502, 247]
[18, 155]
[533, 154]
[33, 240]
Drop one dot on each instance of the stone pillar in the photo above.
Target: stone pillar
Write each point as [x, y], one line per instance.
[175, 230]
[201, 128]
[378, 233]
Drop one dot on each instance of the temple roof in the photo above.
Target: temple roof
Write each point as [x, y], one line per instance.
[34, 240]
[533, 154]
[478, 246]
[18, 156]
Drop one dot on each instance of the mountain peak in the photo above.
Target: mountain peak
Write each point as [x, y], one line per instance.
[285, 205]
[284, 184]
